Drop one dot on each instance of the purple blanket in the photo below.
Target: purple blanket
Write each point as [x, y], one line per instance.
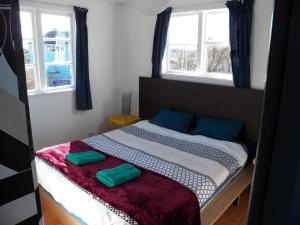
[151, 199]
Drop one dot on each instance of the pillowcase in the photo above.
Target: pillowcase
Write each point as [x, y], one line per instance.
[174, 120]
[217, 128]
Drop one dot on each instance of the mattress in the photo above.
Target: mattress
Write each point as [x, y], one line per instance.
[202, 164]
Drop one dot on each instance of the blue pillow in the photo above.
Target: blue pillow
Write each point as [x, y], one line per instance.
[217, 128]
[174, 120]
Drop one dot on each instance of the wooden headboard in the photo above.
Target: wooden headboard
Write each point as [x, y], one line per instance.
[203, 99]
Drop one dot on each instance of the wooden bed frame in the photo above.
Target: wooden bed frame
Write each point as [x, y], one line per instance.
[226, 102]
[209, 215]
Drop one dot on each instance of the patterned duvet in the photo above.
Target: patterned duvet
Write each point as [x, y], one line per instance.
[202, 164]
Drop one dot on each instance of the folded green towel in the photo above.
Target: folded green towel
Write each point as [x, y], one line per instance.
[118, 175]
[83, 158]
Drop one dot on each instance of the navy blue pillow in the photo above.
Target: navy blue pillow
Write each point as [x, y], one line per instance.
[174, 120]
[217, 128]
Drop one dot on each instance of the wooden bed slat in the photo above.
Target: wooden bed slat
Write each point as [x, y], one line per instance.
[215, 209]
[53, 212]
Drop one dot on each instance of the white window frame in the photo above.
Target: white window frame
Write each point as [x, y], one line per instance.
[200, 73]
[36, 11]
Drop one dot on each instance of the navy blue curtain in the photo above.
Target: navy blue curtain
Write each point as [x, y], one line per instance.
[160, 40]
[83, 90]
[240, 22]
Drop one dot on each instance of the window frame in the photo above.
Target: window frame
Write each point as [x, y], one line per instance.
[35, 50]
[201, 50]
[41, 77]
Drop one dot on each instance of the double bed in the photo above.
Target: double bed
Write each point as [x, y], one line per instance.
[215, 171]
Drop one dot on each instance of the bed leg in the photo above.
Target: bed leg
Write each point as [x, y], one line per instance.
[236, 202]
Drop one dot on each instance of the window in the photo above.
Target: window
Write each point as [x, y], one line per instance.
[198, 44]
[48, 50]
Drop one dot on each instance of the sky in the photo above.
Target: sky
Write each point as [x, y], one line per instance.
[48, 22]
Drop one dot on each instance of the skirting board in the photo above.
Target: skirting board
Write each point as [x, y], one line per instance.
[209, 215]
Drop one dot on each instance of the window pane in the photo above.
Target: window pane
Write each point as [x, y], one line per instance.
[176, 58]
[191, 58]
[28, 52]
[57, 51]
[217, 26]
[55, 26]
[59, 75]
[183, 29]
[218, 59]
[26, 24]
[183, 57]
[30, 78]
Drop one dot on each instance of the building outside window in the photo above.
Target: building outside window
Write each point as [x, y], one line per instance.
[48, 49]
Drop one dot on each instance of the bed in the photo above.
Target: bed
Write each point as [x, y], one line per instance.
[215, 171]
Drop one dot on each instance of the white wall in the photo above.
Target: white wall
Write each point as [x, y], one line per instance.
[120, 49]
[54, 118]
[135, 36]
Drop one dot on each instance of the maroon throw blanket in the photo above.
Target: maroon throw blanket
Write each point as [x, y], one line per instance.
[151, 199]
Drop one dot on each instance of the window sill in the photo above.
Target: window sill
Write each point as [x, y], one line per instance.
[215, 79]
[50, 92]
